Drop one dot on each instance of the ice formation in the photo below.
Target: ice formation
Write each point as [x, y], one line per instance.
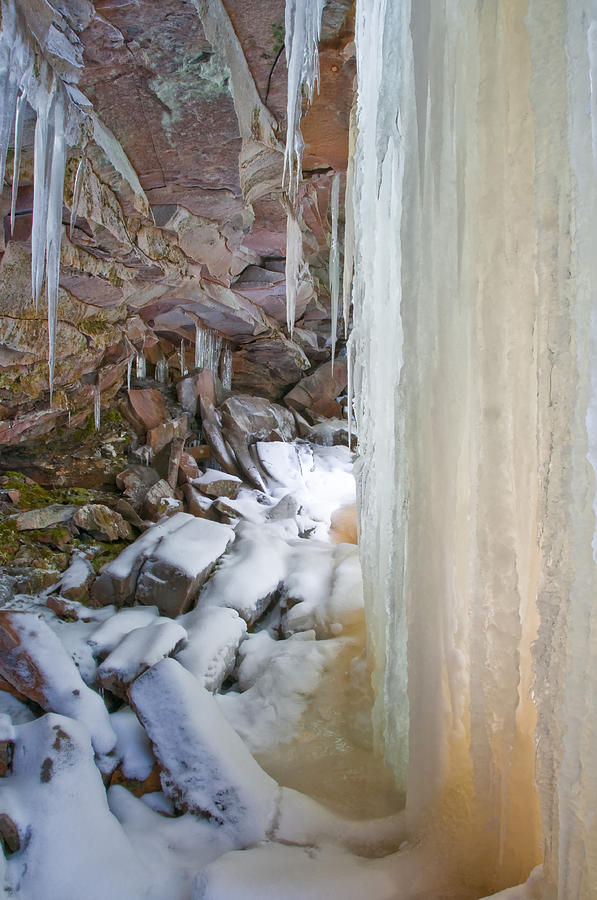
[303, 28]
[161, 370]
[474, 337]
[97, 407]
[140, 365]
[182, 360]
[334, 262]
[208, 349]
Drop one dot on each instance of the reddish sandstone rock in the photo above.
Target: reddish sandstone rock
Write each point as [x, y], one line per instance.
[148, 407]
[316, 394]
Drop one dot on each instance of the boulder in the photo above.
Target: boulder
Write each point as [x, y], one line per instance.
[137, 651]
[212, 428]
[117, 580]
[198, 504]
[315, 396]
[260, 419]
[206, 767]
[48, 516]
[187, 468]
[218, 484]
[214, 636]
[180, 563]
[103, 523]
[159, 500]
[34, 661]
[199, 383]
[76, 581]
[159, 437]
[135, 481]
[148, 409]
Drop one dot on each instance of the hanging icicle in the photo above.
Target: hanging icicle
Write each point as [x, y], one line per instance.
[161, 370]
[129, 369]
[226, 368]
[303, 30]
[349, 223]
[97, 406]
[54, 228]
[199, 340]
[334, 264]
[79, 180]
[294, 266]
[141, 367]
[183, 367]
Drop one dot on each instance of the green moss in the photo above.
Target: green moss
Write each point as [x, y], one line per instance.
[9, 542]
[34, 496]
[108, 553]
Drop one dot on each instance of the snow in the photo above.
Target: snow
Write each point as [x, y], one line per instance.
[214, 635]
[44, 668]
[133, 749]
[249, 574]
[211, 475]
[206, 766]
[295, 873]
[276, 679]
[56, 797]
[76, 575]
[193, 547]
[104, 639]
[138, 650]
[131, 556]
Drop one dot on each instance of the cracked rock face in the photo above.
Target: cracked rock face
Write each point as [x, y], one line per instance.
[195, 235]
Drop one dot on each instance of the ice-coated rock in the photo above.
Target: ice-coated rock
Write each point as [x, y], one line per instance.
[249, 574]
[137, 651]
[33, 660]
[117, 580]
[179, 564]
[207, 769]
[57, 799]
[214, 636]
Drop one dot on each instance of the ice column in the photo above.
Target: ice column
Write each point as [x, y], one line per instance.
[226, 368]
[303, 29]
[334, 261]
[475, 344]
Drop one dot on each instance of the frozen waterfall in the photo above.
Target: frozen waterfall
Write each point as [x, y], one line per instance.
[475, 332]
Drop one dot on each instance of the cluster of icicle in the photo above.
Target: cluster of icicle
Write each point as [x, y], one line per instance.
[303, 29]
[27, 78]
[211, 353]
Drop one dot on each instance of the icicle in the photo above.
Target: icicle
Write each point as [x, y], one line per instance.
[303, 29]
[97, 406]
[54, 228]
[16, 169]
[183, 367]
[42, 155]
[226, 368]
[129, 369]
[79, 179]
[349, 224]
[161, 370]
[349, 386]
[141, 365]
[9, 81]
[334, 264]
[294, 265]
[198, 346]
[217, 354]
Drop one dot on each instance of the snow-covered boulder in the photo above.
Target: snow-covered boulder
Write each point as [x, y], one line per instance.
[137, 651]
[117, 580]
[206, 767]
[33, 659]
[180, 563]
[250, 574]
[214, 635]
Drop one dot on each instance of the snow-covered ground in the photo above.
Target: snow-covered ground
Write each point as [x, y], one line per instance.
[225, 753]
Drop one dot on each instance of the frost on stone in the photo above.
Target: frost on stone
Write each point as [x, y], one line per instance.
[206, 767]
